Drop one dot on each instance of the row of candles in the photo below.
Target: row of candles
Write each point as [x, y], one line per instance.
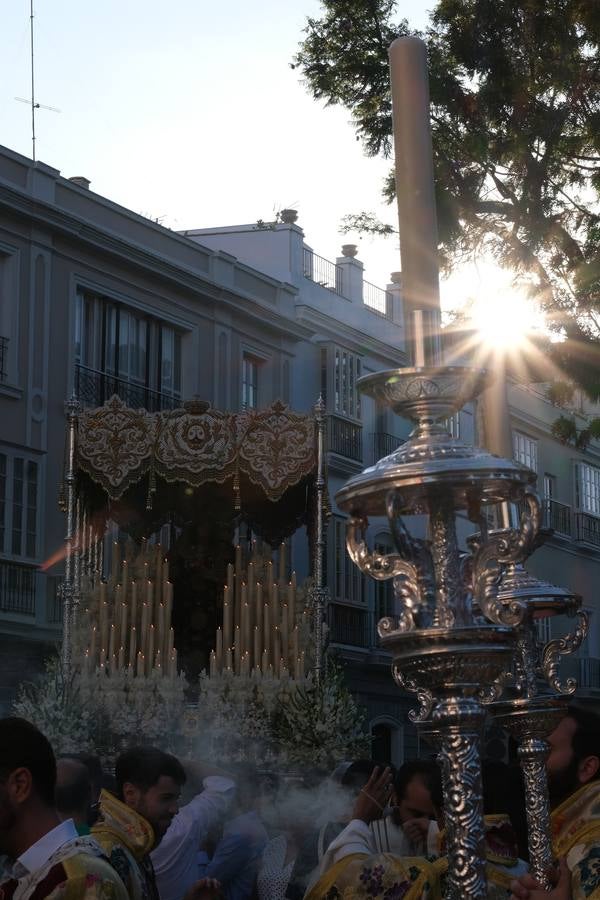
[130, 617]
[259, 632]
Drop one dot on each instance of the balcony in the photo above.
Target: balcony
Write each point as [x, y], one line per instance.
[557, 516]
[350, 625]
[17, 588]
[377, 300]
[587, 529]
[383, 444]
[322, 271]
[3, 358]
[589, 673]
[93, 388]
[344, 438]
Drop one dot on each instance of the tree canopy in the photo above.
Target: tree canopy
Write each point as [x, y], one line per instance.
[515, 117]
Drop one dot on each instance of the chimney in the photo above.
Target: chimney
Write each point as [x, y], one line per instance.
[80, 181]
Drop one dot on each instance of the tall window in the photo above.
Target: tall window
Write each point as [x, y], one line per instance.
[137, 349]
[549, 486]
[348, 581]
[525, 450]
[347, 371]
[452, 423]
[19, 491]
[250, 367]
[587, 486]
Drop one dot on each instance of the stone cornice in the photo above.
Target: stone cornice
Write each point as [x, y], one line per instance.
[335, 330]
[46, 215]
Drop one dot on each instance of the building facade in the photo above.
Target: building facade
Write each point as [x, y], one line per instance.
[96, 300]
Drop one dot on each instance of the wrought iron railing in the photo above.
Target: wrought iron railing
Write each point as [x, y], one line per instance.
[589, 672]
[344, 438]
[587, 529]
[93, 388]
[17, 588]
[54, 599]
[322, 271]
[384, 444]
[3, 358]
[557, 516]
[350, 625]
[377, 300]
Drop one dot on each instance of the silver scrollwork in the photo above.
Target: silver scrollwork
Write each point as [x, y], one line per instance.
[491, 558]
[424, 696]
[563, 646]
[463, 807]
[532, 756]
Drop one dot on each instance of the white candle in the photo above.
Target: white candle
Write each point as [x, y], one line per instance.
[282, 562]
[228, 659]
[132, 645]
[121, 658]
[140, 664]
[237, 649]
[267, 628]
[93, 646]
[265, 662]
[144, 628]
[227, 630]
[150, 653]
[213, 664]
[173, 668]
[257, 647]
[292, 603]
[284, 632]
[275, 605]
[111, 643]
[133, 604]
[219, 650]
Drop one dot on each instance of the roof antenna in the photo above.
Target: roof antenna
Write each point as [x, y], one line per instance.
[34, 105]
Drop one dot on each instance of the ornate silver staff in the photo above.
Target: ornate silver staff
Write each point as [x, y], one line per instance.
[68, 588]
[319, 593]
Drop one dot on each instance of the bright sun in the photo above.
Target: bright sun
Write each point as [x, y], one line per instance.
[504, 319]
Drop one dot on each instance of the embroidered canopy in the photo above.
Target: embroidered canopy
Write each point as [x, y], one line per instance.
[273, 447]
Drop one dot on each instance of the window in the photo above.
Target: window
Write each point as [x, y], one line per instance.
[250, 367]
[525, 450]
[452, 423]
[19, 492]
[543, 630]
[348, 580]
[138, 350]
[347, 370]
[587, 488]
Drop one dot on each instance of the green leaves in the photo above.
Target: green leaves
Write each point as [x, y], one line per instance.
[515, 112]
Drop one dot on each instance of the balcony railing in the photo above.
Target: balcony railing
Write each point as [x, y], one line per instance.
[17, 588]
[3, 358]
[322, 271]
[377, 300]
[587, 529]
[383, 444]
[557, 516]
[589, 672]
[344, 438]
[93, 388]
[350, 625]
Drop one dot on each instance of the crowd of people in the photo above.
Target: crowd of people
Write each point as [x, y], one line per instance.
[157, 828]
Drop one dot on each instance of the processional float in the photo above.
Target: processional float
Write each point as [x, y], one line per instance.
[463, 639]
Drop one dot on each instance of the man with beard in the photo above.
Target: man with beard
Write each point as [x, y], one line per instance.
[47, 858]
[574, 787]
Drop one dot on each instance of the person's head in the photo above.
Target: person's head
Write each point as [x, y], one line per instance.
[73, 793]
[27, 778]
[417, 790]
[150, 782]
[574, 758]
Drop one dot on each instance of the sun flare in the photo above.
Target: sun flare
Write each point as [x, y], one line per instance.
[504, 320]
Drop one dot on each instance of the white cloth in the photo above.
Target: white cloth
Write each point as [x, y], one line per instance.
[274, 875]
[358, 837]
[175, 860]
[390, 838]
[36, 856]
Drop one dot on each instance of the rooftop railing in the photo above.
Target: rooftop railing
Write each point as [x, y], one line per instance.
[377, 300]
[93, 388]
[322, 271]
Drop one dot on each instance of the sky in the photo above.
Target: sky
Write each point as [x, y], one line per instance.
[188, 112]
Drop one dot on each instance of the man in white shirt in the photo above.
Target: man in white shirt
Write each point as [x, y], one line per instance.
[175, 860]
[47, 857]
